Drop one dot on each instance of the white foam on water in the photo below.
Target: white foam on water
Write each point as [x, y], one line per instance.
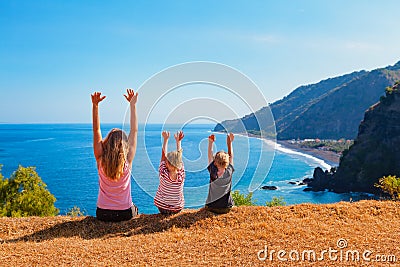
[324, 165]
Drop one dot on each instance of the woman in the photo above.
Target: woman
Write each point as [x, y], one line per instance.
[114, 156]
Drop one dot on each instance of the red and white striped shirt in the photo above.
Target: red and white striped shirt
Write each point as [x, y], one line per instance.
[169, 195]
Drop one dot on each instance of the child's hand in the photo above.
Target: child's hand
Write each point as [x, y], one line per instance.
[97, 98]
[179, 136]
[131, 96]
[211, 138]
[230, 137]
[165, 134]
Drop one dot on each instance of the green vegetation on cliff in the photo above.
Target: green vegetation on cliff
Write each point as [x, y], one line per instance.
[25, 194]
[390, 185]
[337, 146]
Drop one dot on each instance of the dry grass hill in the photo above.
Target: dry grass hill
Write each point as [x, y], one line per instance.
[344, 234]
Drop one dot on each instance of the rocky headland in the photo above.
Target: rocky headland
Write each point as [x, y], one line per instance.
[374, 154]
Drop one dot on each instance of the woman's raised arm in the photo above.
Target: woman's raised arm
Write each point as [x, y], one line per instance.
[131, 96]
[97, 147]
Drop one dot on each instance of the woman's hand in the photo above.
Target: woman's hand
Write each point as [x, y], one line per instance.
[97, 98]
[179, 136]
[165, 135]
[131, 96]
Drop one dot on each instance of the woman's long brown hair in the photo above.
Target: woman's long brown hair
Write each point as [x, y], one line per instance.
[115, 149]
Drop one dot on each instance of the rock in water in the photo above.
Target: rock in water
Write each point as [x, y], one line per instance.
[307, 180]
[269, 187]
[320, 180]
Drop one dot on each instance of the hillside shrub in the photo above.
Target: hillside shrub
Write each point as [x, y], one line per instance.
[75, 211]
[25, 194]
[276, 201]
[391, 89]
[391, 185]
[243, 200]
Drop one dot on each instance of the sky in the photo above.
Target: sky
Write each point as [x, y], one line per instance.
[54, 54]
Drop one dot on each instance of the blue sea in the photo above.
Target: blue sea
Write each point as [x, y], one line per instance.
[63, 157]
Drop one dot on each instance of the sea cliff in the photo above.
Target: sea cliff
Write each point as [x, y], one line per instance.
[375, 152]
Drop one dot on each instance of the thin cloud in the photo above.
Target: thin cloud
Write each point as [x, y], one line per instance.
[341, 45]
[266, 38]
[362, 46]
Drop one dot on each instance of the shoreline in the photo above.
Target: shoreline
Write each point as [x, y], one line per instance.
[330, 157]
[326, 157]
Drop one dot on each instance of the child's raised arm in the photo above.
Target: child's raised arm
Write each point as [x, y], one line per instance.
[229, 139]
[97, 147]
[178, 138]
[132, 138]
[211, 140]
[164, 148]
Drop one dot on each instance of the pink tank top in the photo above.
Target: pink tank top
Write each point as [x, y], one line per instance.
[115, 195]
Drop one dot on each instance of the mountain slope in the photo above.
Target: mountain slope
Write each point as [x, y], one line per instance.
[338, 113]
[286, 111]
[330, 109]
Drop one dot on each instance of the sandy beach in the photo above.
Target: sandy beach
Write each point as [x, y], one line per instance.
[329, 157]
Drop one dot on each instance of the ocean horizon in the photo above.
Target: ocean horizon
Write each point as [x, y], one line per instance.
[63, 157]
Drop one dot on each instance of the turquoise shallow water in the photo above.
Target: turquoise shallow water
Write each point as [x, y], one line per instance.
[63, 157]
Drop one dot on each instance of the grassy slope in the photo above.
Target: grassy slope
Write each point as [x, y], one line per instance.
[201, 238]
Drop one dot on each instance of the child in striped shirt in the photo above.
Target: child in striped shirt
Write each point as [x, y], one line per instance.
[169, 197]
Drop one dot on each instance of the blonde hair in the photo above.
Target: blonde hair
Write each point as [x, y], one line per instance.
[115, 150]
[174, 158]
[221, 159]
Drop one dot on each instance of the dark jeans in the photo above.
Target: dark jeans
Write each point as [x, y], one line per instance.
[167, 212]
[116, 215]
[218, 210]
